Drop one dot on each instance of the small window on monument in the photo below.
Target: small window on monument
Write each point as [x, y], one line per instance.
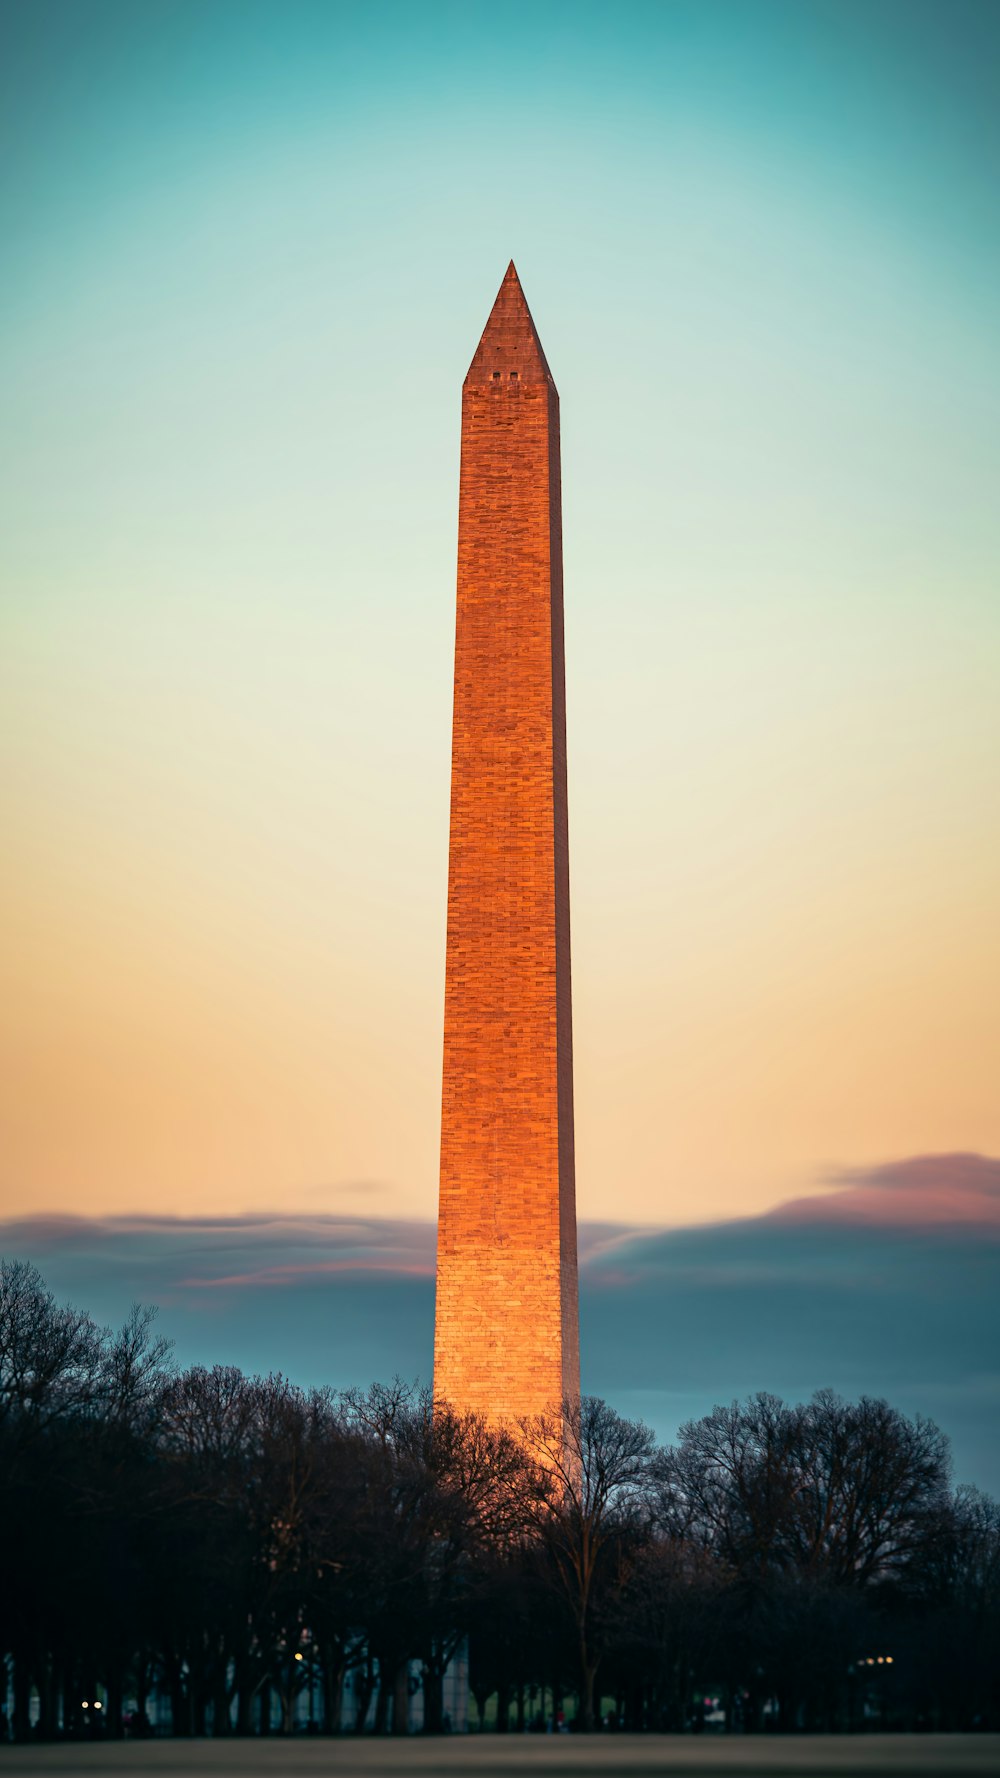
[496, 376]
[513, 376]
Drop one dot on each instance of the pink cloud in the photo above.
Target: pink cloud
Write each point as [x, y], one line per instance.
[925, 1191]
[290, 1274]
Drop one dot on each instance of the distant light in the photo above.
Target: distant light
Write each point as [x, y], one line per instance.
[298, 1657]
[881, 1658]
[98, 1706]
[871, 1661]
[888, 1660]
[86, 1706]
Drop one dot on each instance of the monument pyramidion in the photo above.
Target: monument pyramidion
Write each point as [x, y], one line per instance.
[506, 1334]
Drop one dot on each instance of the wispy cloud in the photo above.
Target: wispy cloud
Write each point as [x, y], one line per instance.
[268, 1277]
[198, 1251]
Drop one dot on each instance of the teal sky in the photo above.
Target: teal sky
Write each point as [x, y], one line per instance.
[248, 250]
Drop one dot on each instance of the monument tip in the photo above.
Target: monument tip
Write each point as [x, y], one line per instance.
[510, 338]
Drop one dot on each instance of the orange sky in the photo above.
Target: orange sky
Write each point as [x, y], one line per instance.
[235, 327]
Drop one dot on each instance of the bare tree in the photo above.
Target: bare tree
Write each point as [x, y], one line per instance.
[732, 1483]
[591, 1507]
[50, 1354]
[872, 1489]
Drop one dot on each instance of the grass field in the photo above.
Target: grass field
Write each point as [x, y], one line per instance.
[604, 1756]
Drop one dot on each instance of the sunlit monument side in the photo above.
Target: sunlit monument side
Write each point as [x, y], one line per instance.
[506, 1336]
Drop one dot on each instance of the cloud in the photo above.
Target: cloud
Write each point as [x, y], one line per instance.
[197, 1251]
[260, 1249]
[323, 1297]
[889, 1286]
[928, 1190]
[267, 1276]
[836, 1290]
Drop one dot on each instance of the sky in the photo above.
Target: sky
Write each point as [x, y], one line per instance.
[248, 252]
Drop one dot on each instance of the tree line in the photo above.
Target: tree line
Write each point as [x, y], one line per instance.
[227, 1541]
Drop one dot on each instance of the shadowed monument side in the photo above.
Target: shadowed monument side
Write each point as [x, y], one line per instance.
[506, 1332]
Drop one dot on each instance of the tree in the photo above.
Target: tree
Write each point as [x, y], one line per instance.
[806, 1509]
[872, 1490]
[592, 1471]
[50, 1357]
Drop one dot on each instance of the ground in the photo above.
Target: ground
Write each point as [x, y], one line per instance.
[603, 1756]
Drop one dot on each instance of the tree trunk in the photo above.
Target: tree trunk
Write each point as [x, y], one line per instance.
[588, 1673]
[786, 1715]
[244, 1701]
[46, 1701]
[220, 1705]
[384, 1698]
[363, 1693]
[68, 1693]
[433, 1678]
[22, 1700]
[285, 1701]
[142, 1684]
[401, 1699]
[178, 1722]
[114, 1726]
[333, 1697]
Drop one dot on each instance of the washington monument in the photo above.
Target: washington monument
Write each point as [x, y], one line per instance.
[506, 1336]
